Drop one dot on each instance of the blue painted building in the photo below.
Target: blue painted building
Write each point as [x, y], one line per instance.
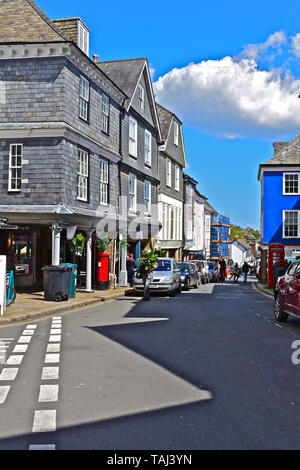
[280, 197]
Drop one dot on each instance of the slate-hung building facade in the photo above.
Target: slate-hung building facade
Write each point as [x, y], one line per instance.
[139, 140]
[280, 197]
[172, 160]
[60, 139]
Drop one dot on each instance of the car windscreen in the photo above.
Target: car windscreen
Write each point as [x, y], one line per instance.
[211, 265]
[163, 265]
[184, 268]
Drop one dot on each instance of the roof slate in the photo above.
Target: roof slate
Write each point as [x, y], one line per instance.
[124, 73]
[165, 118]
[286, 153]
[23, 21]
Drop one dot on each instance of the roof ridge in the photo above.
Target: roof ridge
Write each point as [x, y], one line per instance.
[121, 60]
[47, 20]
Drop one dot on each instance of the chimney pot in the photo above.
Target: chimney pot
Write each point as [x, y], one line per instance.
[95, 58]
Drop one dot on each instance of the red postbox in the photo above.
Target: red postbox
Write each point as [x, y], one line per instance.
[103, 268]
[275, 261]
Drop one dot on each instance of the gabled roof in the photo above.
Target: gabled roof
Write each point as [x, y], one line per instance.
[126, 74]
[165, 120]
[23, 21]
[242, 243]
[210, 208]
[285, 153]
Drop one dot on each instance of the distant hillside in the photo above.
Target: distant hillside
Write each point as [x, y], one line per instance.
[243, 233]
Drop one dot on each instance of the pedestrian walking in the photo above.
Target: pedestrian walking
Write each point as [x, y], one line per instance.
[236, 273]
[245, 271]
[131, 267]
[222, 270]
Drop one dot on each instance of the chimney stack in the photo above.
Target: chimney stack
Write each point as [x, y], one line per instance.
[95, 58]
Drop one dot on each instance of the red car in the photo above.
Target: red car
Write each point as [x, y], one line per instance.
[287, 294]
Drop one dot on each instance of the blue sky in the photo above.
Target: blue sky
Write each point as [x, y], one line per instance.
[233, 108]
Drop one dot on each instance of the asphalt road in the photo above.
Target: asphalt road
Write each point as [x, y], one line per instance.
[209, 369]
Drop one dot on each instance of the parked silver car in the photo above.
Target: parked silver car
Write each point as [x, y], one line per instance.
[165, 278]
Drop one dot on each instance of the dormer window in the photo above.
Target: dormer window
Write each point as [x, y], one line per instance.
[83, 38]
[141, 93]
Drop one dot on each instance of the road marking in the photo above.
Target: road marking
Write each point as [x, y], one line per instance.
[15, 359]
[258, 315]
[44, 421]
[54, 338]
[4, 389]
[31, 327]
[279, 326]
[42, 447]
[55, 332]
[51, 358]
[53, 347]
[50, 373]
[48, 393]
[20, 348]
[28, 332]
[24, 339]
[56, 318]
[9, 374]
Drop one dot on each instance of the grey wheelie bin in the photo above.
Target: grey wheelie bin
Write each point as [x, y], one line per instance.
[57, 281]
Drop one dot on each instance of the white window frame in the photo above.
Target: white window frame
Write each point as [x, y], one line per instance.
[290, 174]
[168, 172]
[15, 168]
[148, 148]
[132, 193]
[177, 178]
[147, 201]
[104, 181]
[82, 38]
[141, 97]
[84, 98]
[176, 133]
[132, 138]
[105, 108]
[283, 223]
[82, 175]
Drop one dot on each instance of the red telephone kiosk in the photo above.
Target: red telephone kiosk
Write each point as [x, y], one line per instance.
[103, 268]
[275, 260]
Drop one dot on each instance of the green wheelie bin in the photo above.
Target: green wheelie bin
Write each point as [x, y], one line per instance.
[72, 291]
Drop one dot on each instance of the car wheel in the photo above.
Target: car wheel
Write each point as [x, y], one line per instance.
[179, 288]
[173, 293]
[279, 314]
[196, 285]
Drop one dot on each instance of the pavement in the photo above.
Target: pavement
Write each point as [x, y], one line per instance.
[31, 305]
[264, 289]
[208, 369]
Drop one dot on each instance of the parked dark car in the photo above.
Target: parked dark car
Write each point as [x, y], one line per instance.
[189, 275]
[287, 294]
[213, 272]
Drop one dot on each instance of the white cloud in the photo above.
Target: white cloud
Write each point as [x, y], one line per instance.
[295, 41]
[233, 97]
[274, 41]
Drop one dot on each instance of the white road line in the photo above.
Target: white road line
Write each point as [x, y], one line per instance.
[53, 347]
[56, 318]
[42, 447]
[4, 389]
[55, 332]
[44, 421]
[50, 373]
[24, 339]
[15, 359]
[28, 332]
[279, 326]
[54, 338]
[48, 393]
[9, 374]
[20, 348]
[52, 358]
[31, 327]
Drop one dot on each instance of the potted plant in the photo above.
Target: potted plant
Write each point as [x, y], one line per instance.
[103, 245]
[148, 263]
[77, 244]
